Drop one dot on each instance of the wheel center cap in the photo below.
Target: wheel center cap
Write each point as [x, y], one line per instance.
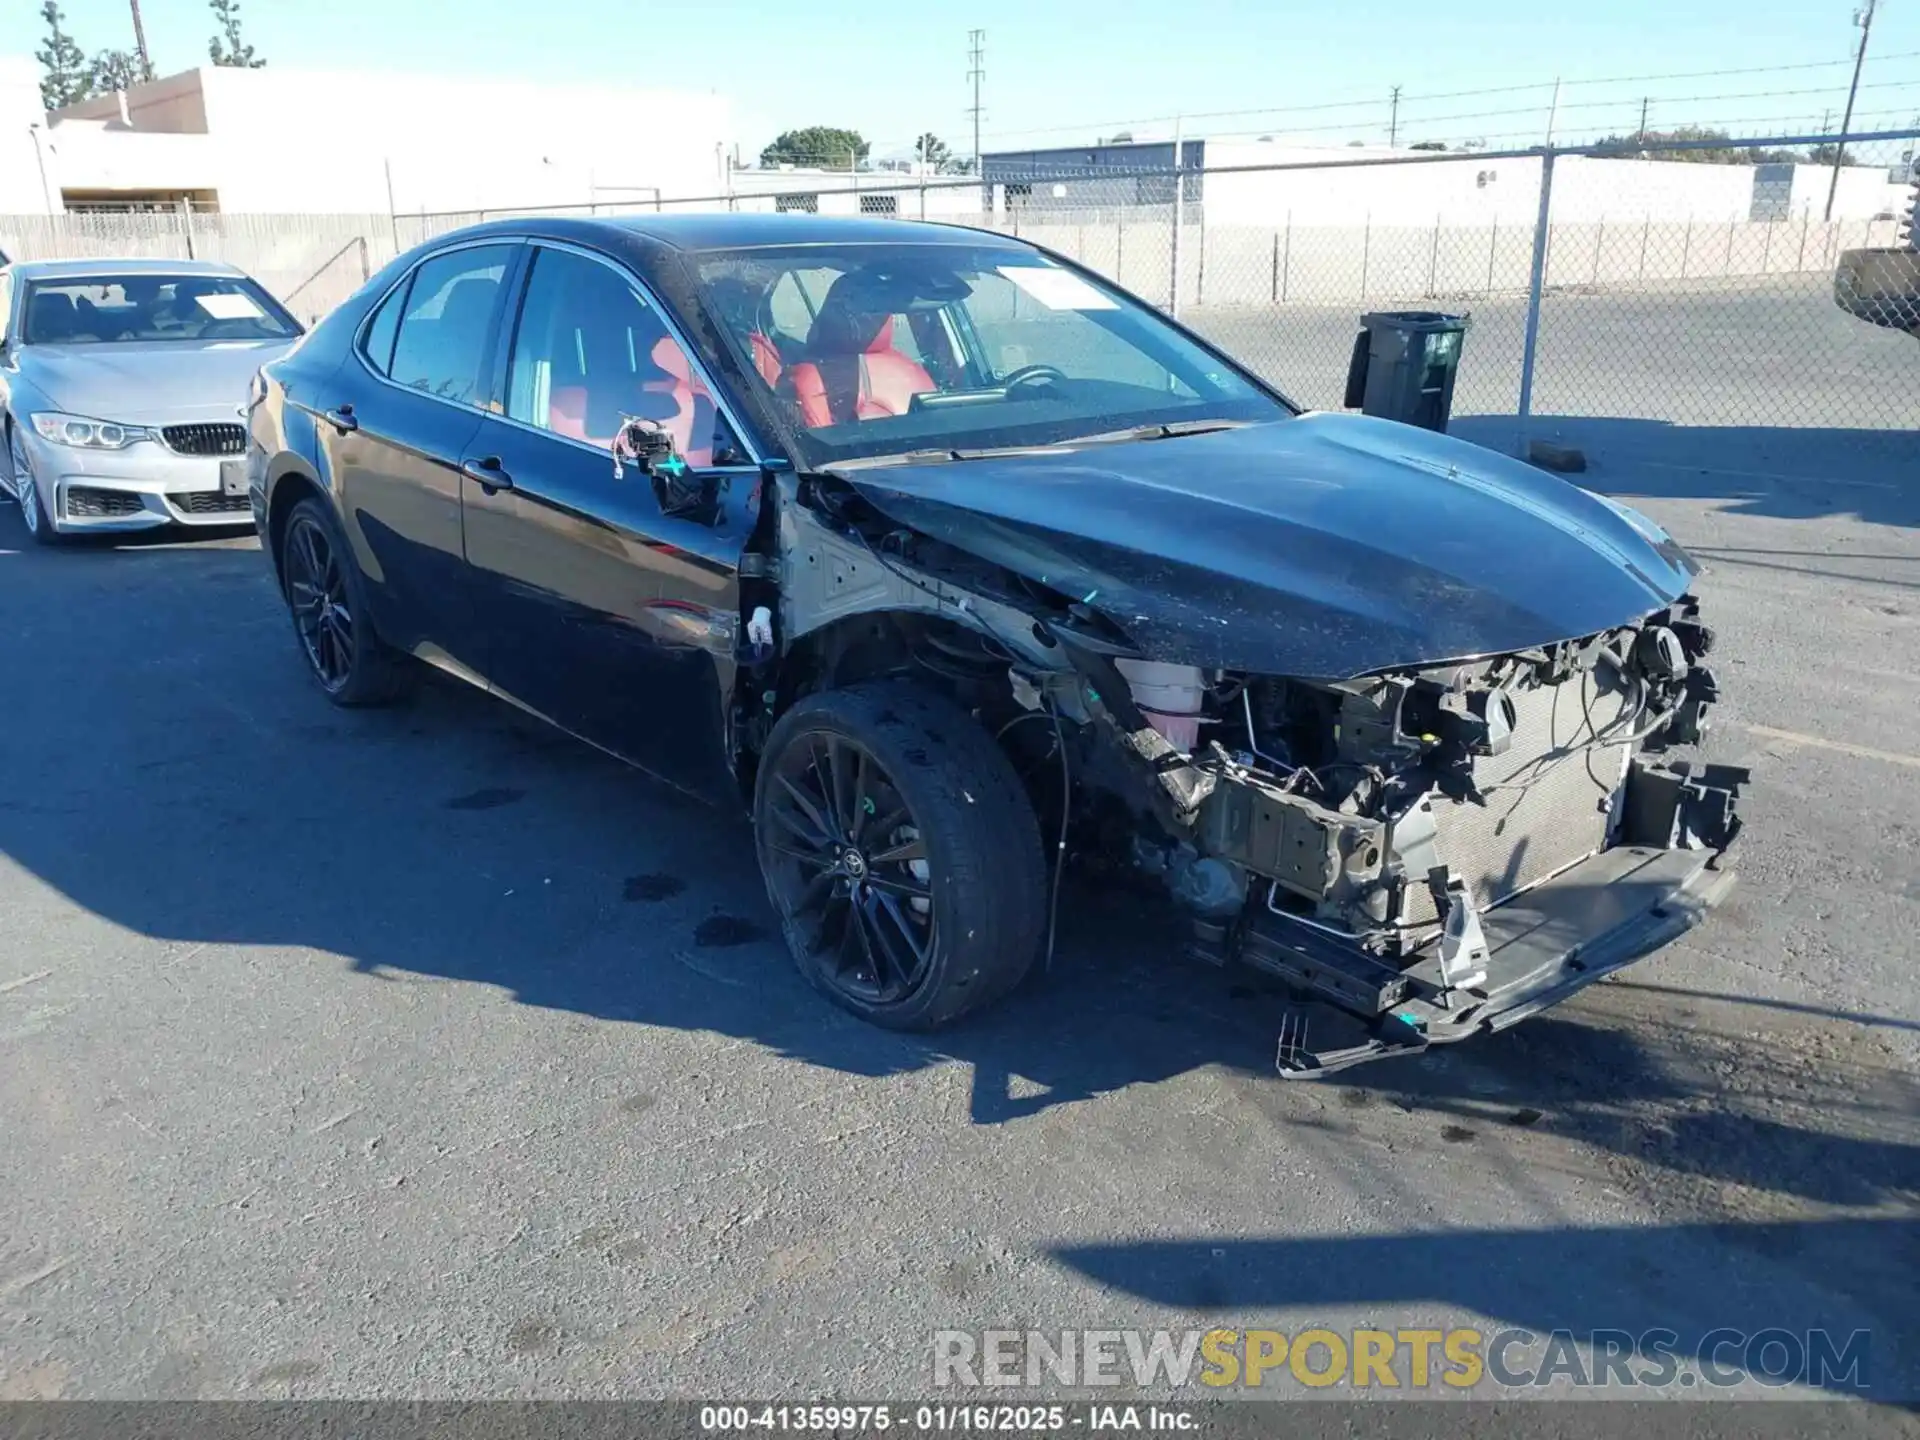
[854, 863]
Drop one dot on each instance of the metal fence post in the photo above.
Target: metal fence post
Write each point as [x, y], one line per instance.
[1766, 250]
[186, 223]
[1686, 246]
[1493, 252]
[1599, 244]
[1179, 217]
[1366, 255]
[1433, 258]
[1646, 229]
[1536, 282]
[1200, 278]
[1275, 288]
[1286, 259]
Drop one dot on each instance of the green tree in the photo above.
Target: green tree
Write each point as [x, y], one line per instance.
[1428, 145]
[932, 152]
[234, 52]
[1657, 145]
[111, 70]
[63, 62]
[821, 145]
[1827, 154]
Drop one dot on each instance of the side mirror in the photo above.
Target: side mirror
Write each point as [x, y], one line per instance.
[649, 445]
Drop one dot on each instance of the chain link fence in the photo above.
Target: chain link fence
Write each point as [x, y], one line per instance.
[1671, 288]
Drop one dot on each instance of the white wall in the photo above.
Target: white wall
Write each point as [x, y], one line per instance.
[284, 140]
[1470, 190]
[20, 189]
[941, 199]
[295, 140]
[1864, 192]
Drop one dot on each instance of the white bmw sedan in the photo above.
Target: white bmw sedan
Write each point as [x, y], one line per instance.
[123, 386]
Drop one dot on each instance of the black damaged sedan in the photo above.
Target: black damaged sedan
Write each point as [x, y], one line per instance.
[952, 561]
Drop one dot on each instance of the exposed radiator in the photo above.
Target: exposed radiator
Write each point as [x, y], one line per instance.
[1552, 808]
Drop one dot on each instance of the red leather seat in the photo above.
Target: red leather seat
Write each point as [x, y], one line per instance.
[669, 394]
[852, 370]
[766, 357]
[691, 420]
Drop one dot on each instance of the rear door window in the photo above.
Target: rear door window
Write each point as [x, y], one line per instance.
[441, 347]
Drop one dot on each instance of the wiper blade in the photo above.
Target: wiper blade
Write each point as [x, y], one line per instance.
[1171, 429]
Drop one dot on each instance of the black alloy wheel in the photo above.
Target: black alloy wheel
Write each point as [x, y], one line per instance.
[900, 852]
[317, 595]
[327, 601]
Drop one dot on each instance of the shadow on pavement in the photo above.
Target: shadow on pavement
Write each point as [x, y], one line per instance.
[1689, 1280]
[1785, 472]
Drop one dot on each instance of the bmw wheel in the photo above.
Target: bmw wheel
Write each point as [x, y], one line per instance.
[32, 513]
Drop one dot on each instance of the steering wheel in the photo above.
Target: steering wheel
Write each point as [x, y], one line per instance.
[1046, 375]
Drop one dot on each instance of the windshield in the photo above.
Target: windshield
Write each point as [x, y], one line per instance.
[883, 349]
[117, 309]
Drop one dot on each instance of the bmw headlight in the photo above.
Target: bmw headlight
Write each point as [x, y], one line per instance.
[84, 434]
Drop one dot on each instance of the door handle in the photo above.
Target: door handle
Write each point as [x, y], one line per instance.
[487, 474]
[342, 419]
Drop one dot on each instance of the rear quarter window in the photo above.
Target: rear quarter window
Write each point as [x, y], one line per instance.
[377, 343]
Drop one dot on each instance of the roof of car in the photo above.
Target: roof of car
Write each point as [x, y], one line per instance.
[80, 268]
[728, 230]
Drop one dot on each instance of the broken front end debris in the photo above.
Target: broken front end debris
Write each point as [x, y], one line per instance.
[1433, 853]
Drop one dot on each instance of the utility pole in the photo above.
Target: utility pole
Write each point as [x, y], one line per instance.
[1393, 119]
[976, 72]
[1863, 17]
[1641, 133]
[140, 42]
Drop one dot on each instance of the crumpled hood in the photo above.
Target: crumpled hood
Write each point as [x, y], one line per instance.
[1321, 547]
[149, 383]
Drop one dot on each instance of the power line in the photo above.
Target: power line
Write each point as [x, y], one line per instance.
[1368, 101]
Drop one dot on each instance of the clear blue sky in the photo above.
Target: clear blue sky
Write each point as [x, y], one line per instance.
[1063, 71]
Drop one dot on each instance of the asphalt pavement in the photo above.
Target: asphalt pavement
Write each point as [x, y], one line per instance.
[426, 1053]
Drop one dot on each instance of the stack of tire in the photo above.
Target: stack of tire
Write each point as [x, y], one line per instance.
[1882, 285]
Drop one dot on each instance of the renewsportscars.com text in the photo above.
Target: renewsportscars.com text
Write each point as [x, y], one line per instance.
[1458, 1358]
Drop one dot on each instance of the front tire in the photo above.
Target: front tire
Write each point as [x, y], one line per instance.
[33, 514]
[327, 600]
[900, 853]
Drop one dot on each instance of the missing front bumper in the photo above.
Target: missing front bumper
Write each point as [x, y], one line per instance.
[1556, 939]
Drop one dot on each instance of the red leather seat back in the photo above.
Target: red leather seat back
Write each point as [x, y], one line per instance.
[691, 421]
[852, 370]
[766, 357]
[589, 407]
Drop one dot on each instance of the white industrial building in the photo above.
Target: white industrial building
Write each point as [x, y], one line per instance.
[282, 140]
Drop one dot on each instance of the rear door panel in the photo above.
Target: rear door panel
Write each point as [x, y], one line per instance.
[395, 460]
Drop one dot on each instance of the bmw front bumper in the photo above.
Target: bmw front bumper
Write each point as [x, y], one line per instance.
[139, 488]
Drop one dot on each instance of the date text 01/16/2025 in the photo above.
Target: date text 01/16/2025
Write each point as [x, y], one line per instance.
[939, 1419]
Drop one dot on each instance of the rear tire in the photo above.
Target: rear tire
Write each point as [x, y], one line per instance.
[327, 599]
[900, 853]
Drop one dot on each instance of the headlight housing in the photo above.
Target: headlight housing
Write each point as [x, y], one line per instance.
[83, 433]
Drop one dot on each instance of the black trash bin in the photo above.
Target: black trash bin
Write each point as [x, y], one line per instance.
[1404, 363]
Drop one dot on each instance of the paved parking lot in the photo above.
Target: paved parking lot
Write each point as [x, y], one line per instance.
[424, 1053]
